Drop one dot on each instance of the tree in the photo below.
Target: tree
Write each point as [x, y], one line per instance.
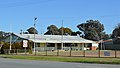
[6, 45]
[66, 31]
[106, 36]
[17, 45]
[116, 31]
[25, 33]
[116, 34]
[52, 30]
[32, 30]
[92, 29]
[77, 33]
[2, 34]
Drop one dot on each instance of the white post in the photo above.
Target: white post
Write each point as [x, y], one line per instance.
[62, 46]
[79, 47]
[55, 46]
[10, 41]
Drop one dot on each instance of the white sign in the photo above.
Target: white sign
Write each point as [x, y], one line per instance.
[25, 43]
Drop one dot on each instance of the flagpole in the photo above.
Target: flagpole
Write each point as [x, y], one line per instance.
[10, 38]
[62, 35]
[34, 34]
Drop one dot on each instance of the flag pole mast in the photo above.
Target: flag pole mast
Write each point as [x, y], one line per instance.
[62, 35]
[10, 38]
[35, 18]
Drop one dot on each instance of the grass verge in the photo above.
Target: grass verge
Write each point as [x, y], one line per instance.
[66, 59]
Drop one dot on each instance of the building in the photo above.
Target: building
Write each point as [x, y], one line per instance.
[112, 44]
[54, 42]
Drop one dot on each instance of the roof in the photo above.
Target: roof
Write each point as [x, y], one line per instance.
[14, 38]
[54, 38]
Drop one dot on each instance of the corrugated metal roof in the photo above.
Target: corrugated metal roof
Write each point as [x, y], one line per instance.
[54, 38]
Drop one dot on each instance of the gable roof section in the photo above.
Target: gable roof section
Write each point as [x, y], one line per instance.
[54, 38]
[14, 38]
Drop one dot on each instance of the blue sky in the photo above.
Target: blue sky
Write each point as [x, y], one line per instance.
[20, 13]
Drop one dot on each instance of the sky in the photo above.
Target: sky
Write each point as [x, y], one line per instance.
[19, 14]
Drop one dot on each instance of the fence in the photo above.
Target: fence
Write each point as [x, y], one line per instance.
[71, 53]
[16, 51]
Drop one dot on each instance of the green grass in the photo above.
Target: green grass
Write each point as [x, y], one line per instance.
[66, 59]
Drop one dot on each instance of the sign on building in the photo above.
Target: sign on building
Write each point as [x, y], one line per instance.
[25, 43]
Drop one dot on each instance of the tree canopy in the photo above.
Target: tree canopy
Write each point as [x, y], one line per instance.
[92, 30]
[66, 31]
[54, 30]
[3, 34]
[116, 31]
[32, 30]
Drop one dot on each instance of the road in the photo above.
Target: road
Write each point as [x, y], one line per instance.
[16, 63]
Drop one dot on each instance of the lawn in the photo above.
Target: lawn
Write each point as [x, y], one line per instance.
[66, 59]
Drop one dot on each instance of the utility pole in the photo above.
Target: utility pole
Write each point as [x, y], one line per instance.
[35, 18]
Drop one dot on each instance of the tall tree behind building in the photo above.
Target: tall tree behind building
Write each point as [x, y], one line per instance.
[116, 31]
[92, 29]
[32, 30]
[54, 30]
